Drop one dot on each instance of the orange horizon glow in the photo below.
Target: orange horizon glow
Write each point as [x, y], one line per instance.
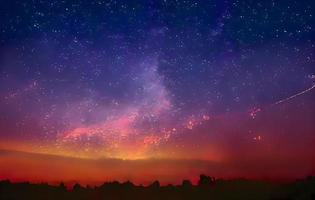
[131, 152]
[53, 169]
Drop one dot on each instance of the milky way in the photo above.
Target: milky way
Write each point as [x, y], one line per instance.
[158, 79]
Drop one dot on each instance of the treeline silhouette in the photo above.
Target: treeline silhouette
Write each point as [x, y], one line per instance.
[207, 188]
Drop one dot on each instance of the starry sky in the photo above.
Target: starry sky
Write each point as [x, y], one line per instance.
[225, 81]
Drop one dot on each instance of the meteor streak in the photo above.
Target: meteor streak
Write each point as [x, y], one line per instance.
[293, 96]
[253, 112]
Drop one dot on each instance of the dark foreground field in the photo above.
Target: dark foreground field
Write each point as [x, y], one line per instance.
[207, 188]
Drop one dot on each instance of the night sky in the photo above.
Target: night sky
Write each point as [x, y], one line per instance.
[230, 82]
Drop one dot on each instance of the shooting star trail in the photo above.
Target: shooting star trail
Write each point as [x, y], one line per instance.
[253, 112]
[293, 96]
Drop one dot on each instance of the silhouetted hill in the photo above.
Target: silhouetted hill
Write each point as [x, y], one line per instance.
[207, 188]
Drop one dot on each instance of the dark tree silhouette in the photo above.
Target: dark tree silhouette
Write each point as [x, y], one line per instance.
[186, 184]
[206, 180]
[155, 185]
[219, 190]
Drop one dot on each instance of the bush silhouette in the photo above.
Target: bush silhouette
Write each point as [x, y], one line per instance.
[206, 180]
[186, 184]
[220, 189]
